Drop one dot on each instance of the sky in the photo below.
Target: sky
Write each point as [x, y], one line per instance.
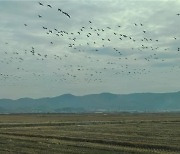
[88, 46]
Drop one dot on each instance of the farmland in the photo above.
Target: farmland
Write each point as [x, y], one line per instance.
[90, 133]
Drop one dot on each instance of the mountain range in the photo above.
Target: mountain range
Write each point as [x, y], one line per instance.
[104, 102]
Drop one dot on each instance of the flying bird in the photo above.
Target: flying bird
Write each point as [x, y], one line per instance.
[40, 3]
[68, 15]
[44, 27]
[49, 6]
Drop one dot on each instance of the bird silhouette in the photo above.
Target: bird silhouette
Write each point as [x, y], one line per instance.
[66, 14]
[40, 3]
[49, 6]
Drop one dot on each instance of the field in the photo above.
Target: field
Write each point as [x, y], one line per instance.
[90, 133]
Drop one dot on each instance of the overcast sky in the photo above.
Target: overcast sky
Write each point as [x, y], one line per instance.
[105, 46]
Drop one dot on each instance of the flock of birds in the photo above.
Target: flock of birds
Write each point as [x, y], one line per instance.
[92, 43]
[60, 10]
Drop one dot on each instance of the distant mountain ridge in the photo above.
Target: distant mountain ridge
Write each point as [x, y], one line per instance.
[104, 102]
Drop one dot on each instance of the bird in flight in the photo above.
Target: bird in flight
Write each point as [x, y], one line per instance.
[66, 14]
[40, 3]
[49, 6]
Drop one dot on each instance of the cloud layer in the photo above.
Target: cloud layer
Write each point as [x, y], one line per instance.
[119, 47]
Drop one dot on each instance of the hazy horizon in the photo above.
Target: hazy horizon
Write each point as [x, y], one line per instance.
[172, 92]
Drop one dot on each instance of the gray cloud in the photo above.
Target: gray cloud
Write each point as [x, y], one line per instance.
[88, 64]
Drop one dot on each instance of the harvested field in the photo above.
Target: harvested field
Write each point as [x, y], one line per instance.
[90, 133]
